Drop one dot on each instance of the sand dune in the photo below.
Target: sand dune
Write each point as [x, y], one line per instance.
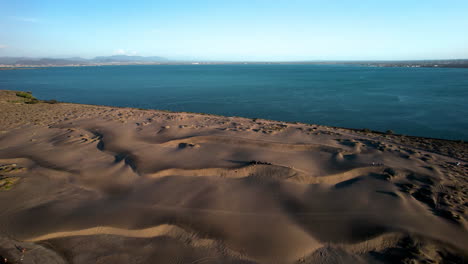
[94, 184]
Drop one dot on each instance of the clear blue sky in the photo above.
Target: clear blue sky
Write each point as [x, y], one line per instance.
[237, 29]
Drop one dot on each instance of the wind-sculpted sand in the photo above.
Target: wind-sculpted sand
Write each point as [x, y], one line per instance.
[96, 184]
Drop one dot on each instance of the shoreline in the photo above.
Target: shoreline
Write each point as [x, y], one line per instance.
[371, 64]
[377, 135]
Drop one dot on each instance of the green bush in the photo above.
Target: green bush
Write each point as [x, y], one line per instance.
[25, 95]
[53, 101]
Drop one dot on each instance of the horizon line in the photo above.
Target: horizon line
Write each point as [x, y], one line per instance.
[219, 60]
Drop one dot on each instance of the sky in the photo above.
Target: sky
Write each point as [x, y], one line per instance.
[242, 30]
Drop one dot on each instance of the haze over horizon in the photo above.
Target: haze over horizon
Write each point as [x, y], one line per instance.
[255, 30]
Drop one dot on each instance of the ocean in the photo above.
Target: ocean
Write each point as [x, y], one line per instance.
[428, 102]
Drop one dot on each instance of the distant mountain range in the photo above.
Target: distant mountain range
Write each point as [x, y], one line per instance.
[13, 62]
[116, 59]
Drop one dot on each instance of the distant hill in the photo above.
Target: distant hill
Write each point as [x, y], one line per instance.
[116, 59]
[11, 60]
[125, 58]
[46, 61]
[129, 60]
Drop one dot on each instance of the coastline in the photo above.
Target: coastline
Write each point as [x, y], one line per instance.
[234, 189]
[451, 63]
[455, 148]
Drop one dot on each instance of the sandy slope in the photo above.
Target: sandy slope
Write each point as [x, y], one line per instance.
[93, 184]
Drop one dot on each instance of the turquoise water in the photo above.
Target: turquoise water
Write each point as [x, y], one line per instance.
[431, 102]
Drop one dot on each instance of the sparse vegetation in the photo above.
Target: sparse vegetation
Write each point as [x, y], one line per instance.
[5, 168]
[28, 98]
[7, 183]
[256, 162]
[275, 127]
[26, 95]
[53, 101]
